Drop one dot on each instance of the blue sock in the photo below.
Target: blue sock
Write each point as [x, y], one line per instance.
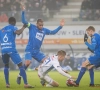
[82, 71]
[23, 74]
[25, 67]
[91, 72]
[6, 73]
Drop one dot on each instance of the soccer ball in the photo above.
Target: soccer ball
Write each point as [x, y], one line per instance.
[69, 82]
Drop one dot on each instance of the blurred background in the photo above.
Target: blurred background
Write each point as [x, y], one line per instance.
[78, 14]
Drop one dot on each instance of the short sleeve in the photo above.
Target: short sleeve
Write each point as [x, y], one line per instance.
[15, 28]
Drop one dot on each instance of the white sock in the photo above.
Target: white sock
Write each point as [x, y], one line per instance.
[19, 75]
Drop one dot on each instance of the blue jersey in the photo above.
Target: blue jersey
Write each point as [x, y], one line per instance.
[7, 38]
[95, 44]
[36, 36]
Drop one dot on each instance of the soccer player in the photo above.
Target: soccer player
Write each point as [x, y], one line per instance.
[93, 60]
[50, 63]
[8, 50]
[36, 37]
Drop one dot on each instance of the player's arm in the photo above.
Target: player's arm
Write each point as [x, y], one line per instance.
[93, 42]
[60, 70]
[62, 22]
[23, 18]
[19, 31]
[92, 45]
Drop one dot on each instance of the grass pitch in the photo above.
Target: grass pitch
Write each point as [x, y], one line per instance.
[34, 80]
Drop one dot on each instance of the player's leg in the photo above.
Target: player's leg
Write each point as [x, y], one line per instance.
[40, 74]
[95, 61]
[82, 71]
[28, 59]
[91, 73]
[50, 81]
[5, 59]
[17, 60]
[46, 79]
[39, 56]
[23, 74]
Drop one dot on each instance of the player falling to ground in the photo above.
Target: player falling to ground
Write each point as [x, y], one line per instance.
[50, 63]
[8, 49]
[93, 60]
[36, 36]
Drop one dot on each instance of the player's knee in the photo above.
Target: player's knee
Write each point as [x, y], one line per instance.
[27, 62]
[20, 64]
[41, 76]
[7, 65]
[83, 64]
[54, 84]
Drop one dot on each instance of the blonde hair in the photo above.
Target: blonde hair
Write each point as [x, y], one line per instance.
[61, 52]
[90, 28]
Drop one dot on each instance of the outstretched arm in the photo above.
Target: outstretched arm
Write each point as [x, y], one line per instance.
[23, 18]
[59, 69]
[62, 22]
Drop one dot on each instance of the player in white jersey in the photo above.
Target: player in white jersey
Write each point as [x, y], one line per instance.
[50, 63]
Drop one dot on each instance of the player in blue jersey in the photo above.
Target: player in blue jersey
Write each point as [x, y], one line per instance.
[36, 36]
[8, 50]
[93, 60]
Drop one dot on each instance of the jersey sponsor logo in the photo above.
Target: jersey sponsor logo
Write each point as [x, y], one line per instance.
[39, 36]
[6, 47]
[6, 43]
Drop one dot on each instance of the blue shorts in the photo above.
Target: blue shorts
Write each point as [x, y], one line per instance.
[37, 55]
[94, 60]
[13, 55]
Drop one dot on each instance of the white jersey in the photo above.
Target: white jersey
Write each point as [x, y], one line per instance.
[50, 63]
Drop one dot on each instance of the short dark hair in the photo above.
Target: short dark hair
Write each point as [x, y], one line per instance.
[12, 20]
[39, 20]
[61, 52]
[90, 28]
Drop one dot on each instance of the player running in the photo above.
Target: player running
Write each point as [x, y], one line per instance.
[36, 36]
[8, 49]
[50, 63]
[93, 60]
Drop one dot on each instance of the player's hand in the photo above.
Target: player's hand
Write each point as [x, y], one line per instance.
[36, 69]
[22, 6]
[85, 37]
[90, 50]
[62, 22]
